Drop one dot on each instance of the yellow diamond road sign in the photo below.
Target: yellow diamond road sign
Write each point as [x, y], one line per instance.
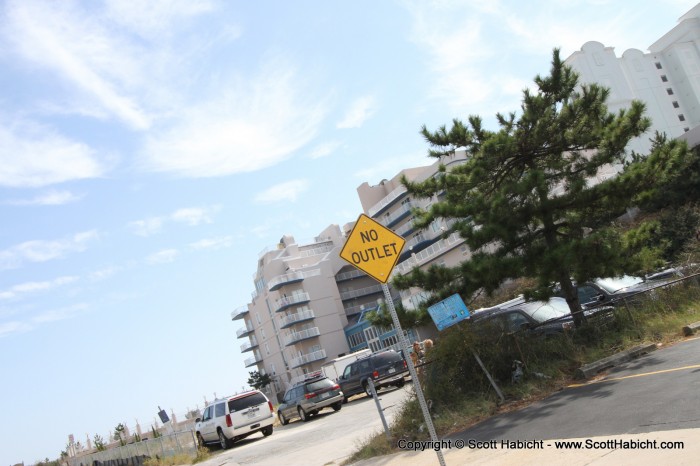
[373, 248]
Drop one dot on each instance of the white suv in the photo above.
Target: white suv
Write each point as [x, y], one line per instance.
[235, 417]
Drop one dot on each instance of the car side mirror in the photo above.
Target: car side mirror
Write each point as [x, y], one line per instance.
[198, 419]
[525, 326]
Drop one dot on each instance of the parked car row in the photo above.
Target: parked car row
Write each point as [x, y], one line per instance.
[229, 419]
[597, 297]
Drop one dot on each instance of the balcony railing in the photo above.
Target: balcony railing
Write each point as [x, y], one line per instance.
[284, 303]
[288, 321]
[252, 361]
[245, 331]
[307, 358]
[391, 197]
[360, 292]
[434, 250]
[249, 345]
[400, 213]
[285, 279]
[349, 275]
[303, 335]
[239, 313]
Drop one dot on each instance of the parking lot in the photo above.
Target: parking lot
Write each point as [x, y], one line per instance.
[327, 439]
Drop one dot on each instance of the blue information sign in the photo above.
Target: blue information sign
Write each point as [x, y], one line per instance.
[448, 312]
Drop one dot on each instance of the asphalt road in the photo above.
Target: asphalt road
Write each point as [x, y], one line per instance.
[327, 439]
[659, 391]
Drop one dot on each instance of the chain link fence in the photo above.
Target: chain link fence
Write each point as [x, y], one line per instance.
[164, 446]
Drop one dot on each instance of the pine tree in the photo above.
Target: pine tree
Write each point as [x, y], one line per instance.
[524, 201]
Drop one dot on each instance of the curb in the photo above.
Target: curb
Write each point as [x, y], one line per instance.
[589, 370]
[690, 329]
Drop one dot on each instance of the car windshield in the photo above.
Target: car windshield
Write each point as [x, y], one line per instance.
[613, 285]
[542, 311]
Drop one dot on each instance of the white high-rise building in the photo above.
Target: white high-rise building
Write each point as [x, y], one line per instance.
[666, 79]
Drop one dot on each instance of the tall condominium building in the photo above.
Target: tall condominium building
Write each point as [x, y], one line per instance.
[308, 307]
[667, 79]
[389, 203]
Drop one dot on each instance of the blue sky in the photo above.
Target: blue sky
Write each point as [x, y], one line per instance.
[150, 150]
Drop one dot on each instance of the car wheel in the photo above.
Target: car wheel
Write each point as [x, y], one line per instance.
[345, 399]
[400, 383]
[283, 420]
[368, 391]
[302, 414]
[200, 441]
[224, 441]
[267, 431]
[337, 406]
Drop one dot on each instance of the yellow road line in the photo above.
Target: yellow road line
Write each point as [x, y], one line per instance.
[695, 366]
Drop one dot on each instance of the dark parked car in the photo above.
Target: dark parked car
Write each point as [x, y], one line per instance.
[610, 291]
[384, 369]
[309, 397]
[535, 317]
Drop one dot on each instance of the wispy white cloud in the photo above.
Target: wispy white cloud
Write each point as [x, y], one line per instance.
[219, 242]
[325, 149]
[103, 273]
[359, 112]
[250, 124]
[191, 216]
[43, 251]
[155, 18]
[48, 198]
[22, 289]
[194, 216]
[82, 50]
[55, 315]
[162, 257]
[8, 328]
[284, 192]
[146, 227]
[34, 156]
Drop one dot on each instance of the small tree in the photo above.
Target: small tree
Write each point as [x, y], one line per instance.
[99, 443]
[524, 201]
[120, 434]
[258, 380]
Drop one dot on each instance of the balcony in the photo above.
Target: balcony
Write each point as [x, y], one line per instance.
[360, 292]
[297, 317]
[296, 337]
[285, 279]
[391, 197]
[240, 313]
[349, 275]
[434, 250]
[252, 361]
[307, 358]
[245, 331]
[249, 345]
[397, 215]
[406, 229]
[284, 303]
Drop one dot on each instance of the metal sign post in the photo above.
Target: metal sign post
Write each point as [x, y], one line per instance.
[412, 370]
[375, 249]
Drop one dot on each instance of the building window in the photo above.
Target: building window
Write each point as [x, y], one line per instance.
[675, 104]
[669, 91]
[681, 117]
[658, 65]
[664, 78]
[267, 349]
